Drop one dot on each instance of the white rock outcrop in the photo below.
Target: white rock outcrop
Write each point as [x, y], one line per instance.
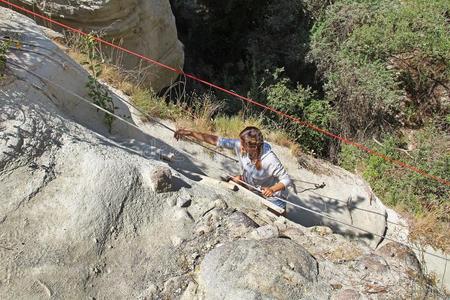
[144, 26]
[266, 269]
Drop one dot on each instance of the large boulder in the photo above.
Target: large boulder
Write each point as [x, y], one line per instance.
[264, 269]
[146, 27]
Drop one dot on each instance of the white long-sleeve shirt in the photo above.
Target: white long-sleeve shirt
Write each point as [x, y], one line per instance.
[272, 171]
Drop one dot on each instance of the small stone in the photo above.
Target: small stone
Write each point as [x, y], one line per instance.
[347, 294]
[336, 286]
[181, 214]
[171, 201]
[203, 229]
[373, 263]
[280, 222]
[219, 203]
[167, 156]
[322, 230]
[214, 217]
[184, 200]
[294, 234]
[176, 241]
[239, 224]
[396, 254]
[161, 179]
[264, 232]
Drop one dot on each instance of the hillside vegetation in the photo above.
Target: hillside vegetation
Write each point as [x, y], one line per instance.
[386, 71]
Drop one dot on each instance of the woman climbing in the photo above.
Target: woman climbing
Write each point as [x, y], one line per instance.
[260, 167]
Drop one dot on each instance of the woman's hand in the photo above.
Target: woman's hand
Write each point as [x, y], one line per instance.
[237, 179]
[267, 191]
[181, 133]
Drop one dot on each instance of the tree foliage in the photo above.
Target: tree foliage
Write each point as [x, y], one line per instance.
[392, 58]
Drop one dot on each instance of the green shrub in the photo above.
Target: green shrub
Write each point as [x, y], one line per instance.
[301, 102]
[401, 187]
[370, 53]
[365, 96]
[100, 96]
[98, 93]
[4, 47]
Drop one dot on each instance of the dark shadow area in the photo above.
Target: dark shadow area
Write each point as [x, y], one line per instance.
[325, 205]
[178, 183]
[239, 45]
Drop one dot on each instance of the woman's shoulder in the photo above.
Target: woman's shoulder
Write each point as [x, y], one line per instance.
[267, 148]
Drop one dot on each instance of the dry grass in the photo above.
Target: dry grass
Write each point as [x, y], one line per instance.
[198, 116]
[147, 101]
[232, 126]
[431, 229]
[202, 111]
[282, 138]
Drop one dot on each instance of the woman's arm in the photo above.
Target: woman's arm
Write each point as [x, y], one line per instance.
[269, 191]
[203, 137]
[281, 174]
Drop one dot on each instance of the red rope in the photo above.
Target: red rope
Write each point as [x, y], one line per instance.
[296, 120]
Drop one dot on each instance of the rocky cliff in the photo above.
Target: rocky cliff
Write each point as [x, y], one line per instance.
[89, 214]
[146, 27]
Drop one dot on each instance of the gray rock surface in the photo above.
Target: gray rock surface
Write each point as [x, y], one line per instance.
[265, 269]
[146, 27]
[264, 232]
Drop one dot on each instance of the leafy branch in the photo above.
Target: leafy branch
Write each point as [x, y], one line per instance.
[97, 92]
[4, 46]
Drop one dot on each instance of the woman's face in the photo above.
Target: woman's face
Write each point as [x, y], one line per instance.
[251, 149]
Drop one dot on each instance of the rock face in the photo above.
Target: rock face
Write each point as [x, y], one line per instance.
[146, 27]
[87, 214]
[271, 268]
